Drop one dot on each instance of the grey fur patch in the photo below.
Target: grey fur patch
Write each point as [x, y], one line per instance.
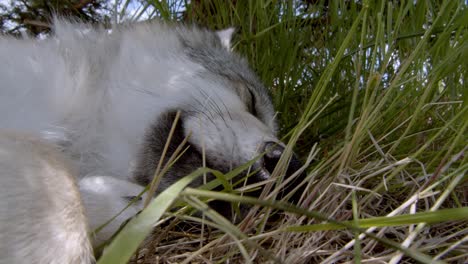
[205, 47]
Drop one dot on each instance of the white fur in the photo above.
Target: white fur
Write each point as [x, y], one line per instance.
[93, 94]
[100, 91]
[103, 199]
[41, 216]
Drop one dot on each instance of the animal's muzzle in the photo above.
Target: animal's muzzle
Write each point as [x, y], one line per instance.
[272, 152]
[272, 155]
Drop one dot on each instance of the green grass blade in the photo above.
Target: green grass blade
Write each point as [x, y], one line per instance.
[127, 241]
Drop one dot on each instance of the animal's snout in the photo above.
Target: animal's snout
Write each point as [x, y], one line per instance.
[272, 154]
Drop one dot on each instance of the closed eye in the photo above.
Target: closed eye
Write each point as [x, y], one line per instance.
[252, 108]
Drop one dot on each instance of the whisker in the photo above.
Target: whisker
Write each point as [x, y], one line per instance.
[214, 104]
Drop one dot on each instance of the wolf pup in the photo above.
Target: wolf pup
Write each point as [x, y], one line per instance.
[106, 101]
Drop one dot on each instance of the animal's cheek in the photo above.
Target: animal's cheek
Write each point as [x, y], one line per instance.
[213, 140]
[203, 133]
[229, 141]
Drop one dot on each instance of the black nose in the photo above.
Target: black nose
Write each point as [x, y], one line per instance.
[273, 152]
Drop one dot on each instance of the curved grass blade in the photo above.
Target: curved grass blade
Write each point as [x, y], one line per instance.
[127, 241]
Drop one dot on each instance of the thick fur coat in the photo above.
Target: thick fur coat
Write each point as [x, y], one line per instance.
[106, 100]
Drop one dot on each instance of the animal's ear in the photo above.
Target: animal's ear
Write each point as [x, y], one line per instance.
[225, 36]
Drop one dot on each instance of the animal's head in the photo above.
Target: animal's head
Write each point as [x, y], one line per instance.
[229, 117]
